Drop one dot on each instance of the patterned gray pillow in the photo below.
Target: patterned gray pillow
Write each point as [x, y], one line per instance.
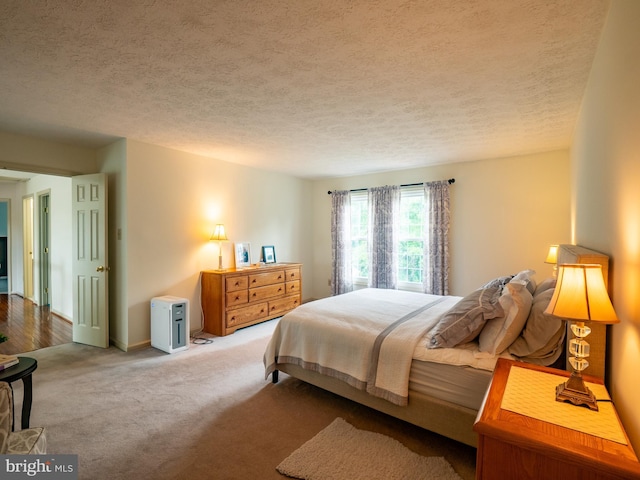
[498, 281]
[464, 321]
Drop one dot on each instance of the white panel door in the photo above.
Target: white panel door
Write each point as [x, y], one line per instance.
[90, 260]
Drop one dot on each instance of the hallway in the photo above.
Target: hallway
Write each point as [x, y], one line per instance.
[30, 327]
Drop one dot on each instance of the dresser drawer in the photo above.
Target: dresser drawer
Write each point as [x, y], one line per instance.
[236, 283]
[266, 278]
[262, 293]
[282, 305]
[246, 314]
[292, 287]
[237, 298]
[292, 274]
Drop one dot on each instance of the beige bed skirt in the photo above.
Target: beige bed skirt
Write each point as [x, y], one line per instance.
[447, 419]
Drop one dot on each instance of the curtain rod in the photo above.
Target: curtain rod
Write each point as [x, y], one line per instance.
[451, 180]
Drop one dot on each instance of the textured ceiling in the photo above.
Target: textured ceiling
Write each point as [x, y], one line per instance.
[312, 88]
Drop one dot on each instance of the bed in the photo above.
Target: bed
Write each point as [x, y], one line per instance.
[426, 359]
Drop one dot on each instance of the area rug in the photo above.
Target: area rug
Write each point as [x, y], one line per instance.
[341, 452]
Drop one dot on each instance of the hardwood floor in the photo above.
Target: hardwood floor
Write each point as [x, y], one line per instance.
[30, 327]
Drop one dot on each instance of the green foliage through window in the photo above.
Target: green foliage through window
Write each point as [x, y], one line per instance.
[411, 238]
[359, 234]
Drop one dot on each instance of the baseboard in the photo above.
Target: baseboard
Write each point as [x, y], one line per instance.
[62, 316]
[130, 348]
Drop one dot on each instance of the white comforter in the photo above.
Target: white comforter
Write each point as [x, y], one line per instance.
[365, 338]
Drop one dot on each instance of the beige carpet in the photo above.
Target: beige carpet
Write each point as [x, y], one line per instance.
[205, 413]
[341, 451]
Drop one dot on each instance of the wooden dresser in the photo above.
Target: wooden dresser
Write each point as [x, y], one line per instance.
[549, 439]
[235, 298]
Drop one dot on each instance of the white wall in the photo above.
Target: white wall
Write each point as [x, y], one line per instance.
[606, 164]
[10, 193]
[504, 215]
[113, 159]
[174, 200]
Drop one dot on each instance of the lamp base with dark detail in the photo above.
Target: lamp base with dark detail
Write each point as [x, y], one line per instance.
[575, 391]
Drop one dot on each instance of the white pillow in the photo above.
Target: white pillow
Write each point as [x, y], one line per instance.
[500, 332]
[526, 277]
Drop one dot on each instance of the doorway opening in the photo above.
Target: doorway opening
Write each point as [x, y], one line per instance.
[29, 319]
[4, 245]
[45, 248]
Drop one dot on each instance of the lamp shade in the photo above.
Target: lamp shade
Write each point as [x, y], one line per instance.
[552, 256]
[580, 295]
[219, 233]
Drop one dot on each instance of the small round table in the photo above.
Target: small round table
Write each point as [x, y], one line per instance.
[22, 370]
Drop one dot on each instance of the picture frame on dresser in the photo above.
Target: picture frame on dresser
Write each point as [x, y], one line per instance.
[269, 254]
[243, 254]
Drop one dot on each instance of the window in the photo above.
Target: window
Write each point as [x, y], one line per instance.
[359, 236]
[411, 237]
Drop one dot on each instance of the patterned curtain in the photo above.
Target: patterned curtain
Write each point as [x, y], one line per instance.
[384, 206]
[341, 281]
[436, 250]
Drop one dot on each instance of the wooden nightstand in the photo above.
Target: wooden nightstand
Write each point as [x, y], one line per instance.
[531, 445]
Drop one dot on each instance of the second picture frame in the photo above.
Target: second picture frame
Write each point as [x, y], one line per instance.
[269, 254]
[243, 254]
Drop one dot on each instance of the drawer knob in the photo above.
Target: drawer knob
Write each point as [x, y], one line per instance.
[237, 298]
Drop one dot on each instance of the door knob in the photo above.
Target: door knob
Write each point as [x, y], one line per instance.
[102, 268]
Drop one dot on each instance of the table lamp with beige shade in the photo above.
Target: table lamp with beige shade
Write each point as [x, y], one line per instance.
[552, 258]
[219, 235]
[580, 296]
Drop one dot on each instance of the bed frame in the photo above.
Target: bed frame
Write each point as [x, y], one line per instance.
[446, 418]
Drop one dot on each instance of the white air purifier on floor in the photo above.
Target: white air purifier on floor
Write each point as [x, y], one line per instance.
[170, 323]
